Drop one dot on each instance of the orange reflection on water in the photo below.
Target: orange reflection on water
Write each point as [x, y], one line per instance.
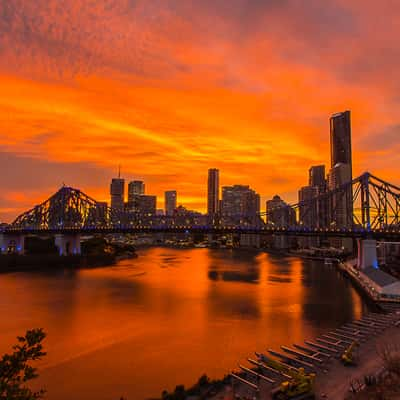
[168, 316]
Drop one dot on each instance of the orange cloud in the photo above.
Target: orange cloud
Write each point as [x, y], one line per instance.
[170, 90]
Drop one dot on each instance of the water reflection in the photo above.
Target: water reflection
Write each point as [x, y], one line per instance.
[170, 314]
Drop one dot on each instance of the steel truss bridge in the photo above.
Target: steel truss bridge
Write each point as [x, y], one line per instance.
[365, 207]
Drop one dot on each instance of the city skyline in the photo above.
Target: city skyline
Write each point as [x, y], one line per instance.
[78, 99]
[134, 198]
[199, 199]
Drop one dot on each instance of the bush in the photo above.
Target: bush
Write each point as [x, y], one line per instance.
[15, 368]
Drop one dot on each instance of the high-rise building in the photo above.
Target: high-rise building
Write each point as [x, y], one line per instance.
[279, 213]
[142, 204]
[308, 206]
[317, 179]
[309, 213]
[134, 188]
[340, 128]
[316, 176]
[239, 201]
[213, 192]
[341, 207]
[170, 202]
[101, 211]
[117, 192]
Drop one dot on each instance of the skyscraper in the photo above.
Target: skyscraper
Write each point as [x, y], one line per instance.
[213, 191]
[134, 188]
[117, 192]
[142, 204]
[279, 213]
[309, 213]
[340, 128]
[308, 210]
[341, 203]
[240, 201]
[170, 202]
[340, 207]
[146, 204]
[317, 180]
[316, 176]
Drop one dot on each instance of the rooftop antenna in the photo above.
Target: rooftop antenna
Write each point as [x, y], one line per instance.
[119, 171]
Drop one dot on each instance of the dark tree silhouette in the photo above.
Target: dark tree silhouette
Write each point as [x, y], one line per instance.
[15, 368]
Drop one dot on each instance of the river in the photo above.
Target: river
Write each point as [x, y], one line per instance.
[168, 316]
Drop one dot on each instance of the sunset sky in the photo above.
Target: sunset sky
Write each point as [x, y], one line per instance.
[170, 88]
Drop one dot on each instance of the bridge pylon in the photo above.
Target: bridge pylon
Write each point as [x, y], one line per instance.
[12, 243]
[367, 255]
[68, 243]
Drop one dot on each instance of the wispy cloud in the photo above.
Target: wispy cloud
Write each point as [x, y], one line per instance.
[170, 88]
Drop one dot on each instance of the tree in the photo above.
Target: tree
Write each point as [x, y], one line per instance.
[15, 368]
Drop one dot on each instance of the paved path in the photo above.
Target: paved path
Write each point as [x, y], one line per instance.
[336, 383]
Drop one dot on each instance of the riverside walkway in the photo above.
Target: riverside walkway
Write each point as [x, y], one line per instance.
[321, 356]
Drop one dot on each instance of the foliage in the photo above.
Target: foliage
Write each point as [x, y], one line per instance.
[178, 394]
[95, 245]
[99, 246]
[202, 388]
[15, 368]
[390, 355]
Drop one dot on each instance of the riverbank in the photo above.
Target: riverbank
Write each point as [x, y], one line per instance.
[374, 335]
[334, 379]
[14, 263]
[115, 317]
[363, 283]
[337, 383]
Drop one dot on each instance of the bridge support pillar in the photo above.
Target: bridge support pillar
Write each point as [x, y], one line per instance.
[68, 244]
[14, 244]
[367, 256]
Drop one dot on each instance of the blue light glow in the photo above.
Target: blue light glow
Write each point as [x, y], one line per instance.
[375, 264]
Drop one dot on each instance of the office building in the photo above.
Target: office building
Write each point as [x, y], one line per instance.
[341, 207]
[308, 206]
[170, 202]
[340, 135]
[316, 177]
[279, 213]
[239, 201]
[101, 212]
[117, 192]
[309, 213]
[213, 192]
[135, 188]
[142, 204]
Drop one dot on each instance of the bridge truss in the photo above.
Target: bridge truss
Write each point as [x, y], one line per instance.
[365, 205]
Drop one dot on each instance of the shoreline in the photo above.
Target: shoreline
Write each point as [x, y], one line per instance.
[336, 383]
[23, 263]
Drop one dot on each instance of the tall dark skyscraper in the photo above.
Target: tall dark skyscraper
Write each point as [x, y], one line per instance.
[340, 209]
[341, 139]
[170, 202]
[213, 191]
[240, 200]
[117, 192]
[135, 188]
[316, 176]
